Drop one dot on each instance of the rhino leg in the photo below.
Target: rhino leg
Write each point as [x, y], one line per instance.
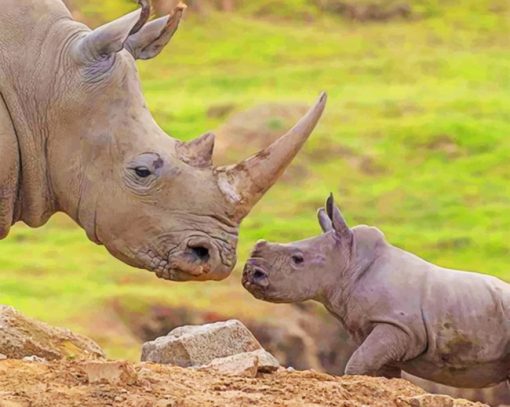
[385, 346]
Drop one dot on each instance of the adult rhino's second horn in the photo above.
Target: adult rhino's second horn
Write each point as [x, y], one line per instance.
[245, 183]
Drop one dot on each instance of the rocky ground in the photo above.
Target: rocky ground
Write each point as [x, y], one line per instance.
[220, 364]
[74, 383]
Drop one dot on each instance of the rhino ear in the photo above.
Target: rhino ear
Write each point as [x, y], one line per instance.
[198, 152]
[110, 38]
[324, 220]
[337, 220]
[154, 36]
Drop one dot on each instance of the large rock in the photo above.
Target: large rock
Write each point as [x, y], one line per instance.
[198, 345]
[22, 337]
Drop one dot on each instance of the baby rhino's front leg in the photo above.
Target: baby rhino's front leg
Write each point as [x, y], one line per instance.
[385, 347]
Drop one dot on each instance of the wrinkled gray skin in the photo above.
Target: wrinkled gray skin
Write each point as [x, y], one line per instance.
[76, 136]
[447, 326]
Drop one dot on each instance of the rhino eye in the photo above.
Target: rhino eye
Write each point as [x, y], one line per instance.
[297, 259]
[142, 172]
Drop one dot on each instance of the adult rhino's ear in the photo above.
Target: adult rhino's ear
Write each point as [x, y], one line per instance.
[324, 220]
[337, 220]
[110, 38]
[154, 36]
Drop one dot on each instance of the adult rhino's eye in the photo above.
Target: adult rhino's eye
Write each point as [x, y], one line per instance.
[142, 172]
[297, 259]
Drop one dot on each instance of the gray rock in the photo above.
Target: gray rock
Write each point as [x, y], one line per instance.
[198, 345]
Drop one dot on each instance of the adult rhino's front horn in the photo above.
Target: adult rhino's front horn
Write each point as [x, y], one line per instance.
[246, 182]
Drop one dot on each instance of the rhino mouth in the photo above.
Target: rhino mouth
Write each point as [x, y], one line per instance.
[193, 260]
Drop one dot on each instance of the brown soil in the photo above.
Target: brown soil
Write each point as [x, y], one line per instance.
[73, 384]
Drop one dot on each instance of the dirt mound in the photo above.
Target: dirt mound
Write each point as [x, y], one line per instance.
[107, 384]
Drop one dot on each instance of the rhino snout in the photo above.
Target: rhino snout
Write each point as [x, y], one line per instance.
[199, 259]
[255, 277]
[199, 251]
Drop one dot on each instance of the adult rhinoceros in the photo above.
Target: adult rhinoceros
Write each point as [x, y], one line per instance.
[76, 136]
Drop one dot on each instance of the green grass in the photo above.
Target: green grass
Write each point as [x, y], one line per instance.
[415, 140]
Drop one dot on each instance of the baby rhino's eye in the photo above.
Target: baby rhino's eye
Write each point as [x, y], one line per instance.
[297, 259]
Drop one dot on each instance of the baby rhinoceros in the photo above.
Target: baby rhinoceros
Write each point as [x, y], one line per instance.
[448, 326]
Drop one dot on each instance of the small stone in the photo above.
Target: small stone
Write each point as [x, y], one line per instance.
[267, 362]
[110, 372]
[2, 356]
[433, 400]
[246, 364]
[35, 359]
[242, 364]
[197, 345]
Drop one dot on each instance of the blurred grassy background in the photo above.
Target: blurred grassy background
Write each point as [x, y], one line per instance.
[415, 140]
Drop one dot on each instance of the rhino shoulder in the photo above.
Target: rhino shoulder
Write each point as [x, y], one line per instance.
[369, 233]
[369, 241]
[369, 244]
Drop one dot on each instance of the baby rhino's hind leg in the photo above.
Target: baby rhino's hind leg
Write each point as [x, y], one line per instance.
[385, 346]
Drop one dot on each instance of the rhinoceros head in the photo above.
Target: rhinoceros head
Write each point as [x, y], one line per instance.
[306, 269]
[153, 201]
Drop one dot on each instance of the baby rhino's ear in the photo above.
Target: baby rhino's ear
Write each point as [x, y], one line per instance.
[337, 220]
[324, 221]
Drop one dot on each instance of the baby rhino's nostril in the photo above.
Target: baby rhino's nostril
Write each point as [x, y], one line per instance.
[200, 253]
[258, 274]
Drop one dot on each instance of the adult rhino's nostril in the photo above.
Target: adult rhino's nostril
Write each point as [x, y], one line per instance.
[200, 253]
